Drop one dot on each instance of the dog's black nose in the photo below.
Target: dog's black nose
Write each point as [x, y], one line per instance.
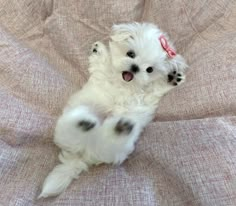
[134, 68]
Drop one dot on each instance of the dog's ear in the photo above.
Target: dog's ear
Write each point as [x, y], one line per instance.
[174, 60]
[122, 32]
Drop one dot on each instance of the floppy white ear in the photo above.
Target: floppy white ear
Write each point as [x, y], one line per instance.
[178, 63]
[121, 32]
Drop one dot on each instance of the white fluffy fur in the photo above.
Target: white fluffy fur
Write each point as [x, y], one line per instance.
[106, 99]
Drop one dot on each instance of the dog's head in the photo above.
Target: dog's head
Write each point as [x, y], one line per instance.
[140, 52]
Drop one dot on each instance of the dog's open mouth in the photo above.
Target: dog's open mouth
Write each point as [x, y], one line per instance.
[127, 76]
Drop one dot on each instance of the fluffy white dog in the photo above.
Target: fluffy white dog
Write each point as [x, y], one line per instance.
[102, 122]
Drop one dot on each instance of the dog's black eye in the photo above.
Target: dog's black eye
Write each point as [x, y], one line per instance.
[131, 54]
[149, 70]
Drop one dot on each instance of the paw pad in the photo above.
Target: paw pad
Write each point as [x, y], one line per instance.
[86, 125]
[175, 78]
[123, 126]
[94, 49]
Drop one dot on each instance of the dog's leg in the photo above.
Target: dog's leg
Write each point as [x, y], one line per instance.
[176, 76]
[62, 175]
[117, 138]
[99, 56]
[74, 128]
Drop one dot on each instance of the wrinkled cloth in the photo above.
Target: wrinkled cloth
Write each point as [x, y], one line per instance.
[185, 157]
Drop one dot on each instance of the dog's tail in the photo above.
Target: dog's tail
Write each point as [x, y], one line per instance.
[61, 176]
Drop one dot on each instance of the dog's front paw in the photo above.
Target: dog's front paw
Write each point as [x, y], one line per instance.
[94, 48]
[86, 125]
[175, 78]
[124, 127]
[98, 48]
[99, 54]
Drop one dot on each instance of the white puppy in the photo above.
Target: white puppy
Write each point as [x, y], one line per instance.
[102, 122]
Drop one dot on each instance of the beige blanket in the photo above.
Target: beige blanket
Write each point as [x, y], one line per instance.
[186, 157]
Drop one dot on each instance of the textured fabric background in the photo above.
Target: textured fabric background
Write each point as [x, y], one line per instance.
[186, 157]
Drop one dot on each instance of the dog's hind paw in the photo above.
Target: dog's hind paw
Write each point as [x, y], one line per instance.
[86, 125]
[124, 127]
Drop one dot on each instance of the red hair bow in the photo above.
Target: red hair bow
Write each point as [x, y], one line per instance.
[171, 52]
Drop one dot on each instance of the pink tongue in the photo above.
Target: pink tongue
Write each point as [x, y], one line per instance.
[127, 76]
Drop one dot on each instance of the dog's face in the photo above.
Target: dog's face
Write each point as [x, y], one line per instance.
[137, 54]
